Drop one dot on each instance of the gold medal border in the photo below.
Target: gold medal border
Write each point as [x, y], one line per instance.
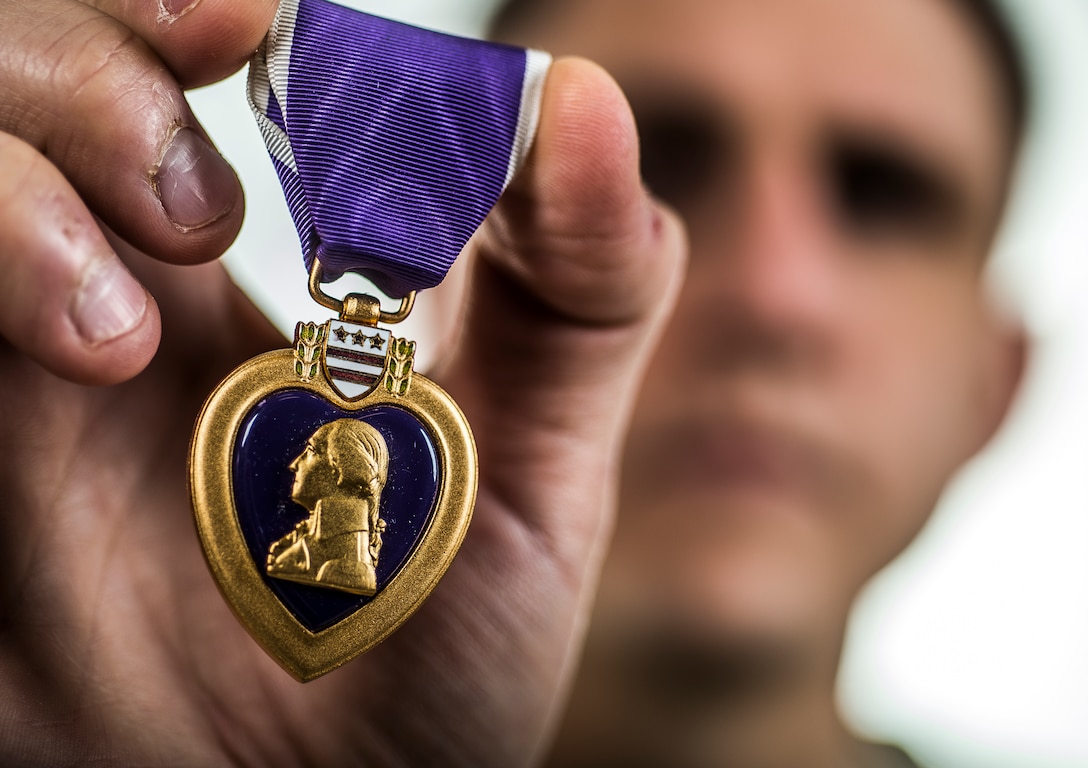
[305, 654]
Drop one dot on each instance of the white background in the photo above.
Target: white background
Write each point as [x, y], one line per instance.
[972, 649]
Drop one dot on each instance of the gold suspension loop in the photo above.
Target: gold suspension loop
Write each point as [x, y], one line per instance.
[351, 304]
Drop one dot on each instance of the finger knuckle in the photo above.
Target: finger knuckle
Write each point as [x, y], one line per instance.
[100, 63]
[64, 68]
[112, 78]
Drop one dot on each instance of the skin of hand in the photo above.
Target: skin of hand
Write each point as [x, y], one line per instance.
[115, 646]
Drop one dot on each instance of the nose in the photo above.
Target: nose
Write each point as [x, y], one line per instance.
[293, 466]
[765, 276]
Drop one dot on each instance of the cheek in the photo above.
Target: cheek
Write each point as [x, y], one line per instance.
[914, 406]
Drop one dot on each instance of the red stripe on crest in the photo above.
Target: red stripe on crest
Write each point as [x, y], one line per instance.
[355, 356]
[353, 377]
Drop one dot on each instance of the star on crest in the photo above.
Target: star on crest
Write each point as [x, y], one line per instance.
[341, 334]
[358, 338]
[376, 341]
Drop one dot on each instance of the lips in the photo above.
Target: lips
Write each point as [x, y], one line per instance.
[746, 456]
[723, 455]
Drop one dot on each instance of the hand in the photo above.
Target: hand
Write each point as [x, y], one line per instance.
[114, 643]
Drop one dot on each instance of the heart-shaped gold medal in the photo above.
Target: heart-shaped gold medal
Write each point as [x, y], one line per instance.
[332, 487]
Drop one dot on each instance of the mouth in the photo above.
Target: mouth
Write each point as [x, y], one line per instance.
[724, 455]
[744, 456]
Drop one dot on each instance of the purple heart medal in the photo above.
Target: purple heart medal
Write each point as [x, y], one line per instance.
[331, 484]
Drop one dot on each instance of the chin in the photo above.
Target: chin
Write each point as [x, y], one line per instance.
[734, 570]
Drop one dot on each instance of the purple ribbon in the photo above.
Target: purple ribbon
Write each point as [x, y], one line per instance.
[392, 143]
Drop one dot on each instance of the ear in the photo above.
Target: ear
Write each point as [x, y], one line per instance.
[332, 456]
[1005, 361]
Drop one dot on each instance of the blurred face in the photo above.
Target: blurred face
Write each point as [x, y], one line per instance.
[841, 165]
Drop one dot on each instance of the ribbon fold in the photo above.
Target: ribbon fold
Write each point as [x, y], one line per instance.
[392, 143]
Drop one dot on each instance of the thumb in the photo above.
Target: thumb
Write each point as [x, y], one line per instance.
[577, 228]
[575, 274]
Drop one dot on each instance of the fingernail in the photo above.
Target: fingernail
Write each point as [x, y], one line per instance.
[171, 10]
[109, 302]
[196, 185]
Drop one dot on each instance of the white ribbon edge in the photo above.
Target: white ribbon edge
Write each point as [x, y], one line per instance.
[537, 64]
[270, 68]
[268, 73]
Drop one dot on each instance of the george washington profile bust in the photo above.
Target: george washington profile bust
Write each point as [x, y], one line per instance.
[339, 478]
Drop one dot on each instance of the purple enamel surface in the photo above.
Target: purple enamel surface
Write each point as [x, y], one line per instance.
[272, 434]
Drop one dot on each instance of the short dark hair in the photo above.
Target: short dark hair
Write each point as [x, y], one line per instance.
[1008, 56]
[988, 19]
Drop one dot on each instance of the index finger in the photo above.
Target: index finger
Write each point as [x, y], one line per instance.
[201, 41]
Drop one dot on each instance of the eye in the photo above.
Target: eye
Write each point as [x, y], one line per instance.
[682, 148]
[880, 191]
